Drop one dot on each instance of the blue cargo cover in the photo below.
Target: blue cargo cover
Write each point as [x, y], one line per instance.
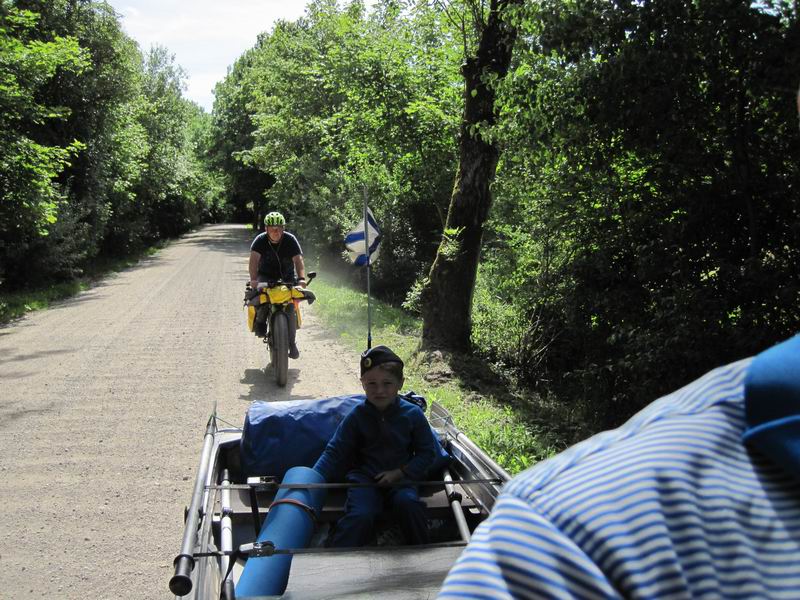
[280, 435]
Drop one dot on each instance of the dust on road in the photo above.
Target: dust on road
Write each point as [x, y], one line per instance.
[103, 404]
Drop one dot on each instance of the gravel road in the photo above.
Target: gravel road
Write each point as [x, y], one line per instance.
[104, 400]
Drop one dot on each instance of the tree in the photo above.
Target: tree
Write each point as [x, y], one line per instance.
[164, 189]
[29, 162]
[447, 298]
[645, 218]
[103, 106]
[340, 101]
[232, 135]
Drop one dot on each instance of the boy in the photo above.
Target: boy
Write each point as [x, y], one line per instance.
[383, 440]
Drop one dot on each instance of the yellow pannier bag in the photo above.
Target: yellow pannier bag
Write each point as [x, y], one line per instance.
[297, 295]
[252, 308]
[251, 317]
[279, 294]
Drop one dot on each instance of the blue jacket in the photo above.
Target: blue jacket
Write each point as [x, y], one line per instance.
[371, 441]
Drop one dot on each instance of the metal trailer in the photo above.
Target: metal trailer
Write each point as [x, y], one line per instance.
[226, 512]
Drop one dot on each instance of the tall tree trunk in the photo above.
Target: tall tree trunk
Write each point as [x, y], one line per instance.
[447, 298]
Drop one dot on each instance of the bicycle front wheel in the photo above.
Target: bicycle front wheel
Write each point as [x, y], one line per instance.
[280, 347]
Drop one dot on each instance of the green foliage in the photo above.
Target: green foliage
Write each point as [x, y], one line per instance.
[166, 185]
[643, 216]
[450, 247]
[29, 198]
[98, 152]
[342, 104]
[642, 229]
[644, 225]
[231, 135]
[413, 300]
[17, 304]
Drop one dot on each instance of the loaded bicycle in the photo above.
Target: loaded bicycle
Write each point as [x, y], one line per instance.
[273, 313]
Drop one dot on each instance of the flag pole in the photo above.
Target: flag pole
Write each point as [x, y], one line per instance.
[366, 246]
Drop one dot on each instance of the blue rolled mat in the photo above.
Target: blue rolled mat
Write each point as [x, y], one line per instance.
[287, 526]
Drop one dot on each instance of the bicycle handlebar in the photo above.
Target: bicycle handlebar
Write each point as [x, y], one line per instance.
[273, 283]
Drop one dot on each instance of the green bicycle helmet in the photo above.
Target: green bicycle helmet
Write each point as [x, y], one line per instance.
[274, 219]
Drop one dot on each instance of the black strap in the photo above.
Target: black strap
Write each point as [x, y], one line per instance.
[254, 510]
[268, 549]
[277, 254]
[231, 562]
[296, 502]
[269, 484]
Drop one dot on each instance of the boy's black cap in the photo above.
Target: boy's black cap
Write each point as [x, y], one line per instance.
[377, 356]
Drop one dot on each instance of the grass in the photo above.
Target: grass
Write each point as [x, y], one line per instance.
[16, 304]
[482, 407]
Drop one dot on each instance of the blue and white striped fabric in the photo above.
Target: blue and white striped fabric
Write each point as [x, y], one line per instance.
[670, 505]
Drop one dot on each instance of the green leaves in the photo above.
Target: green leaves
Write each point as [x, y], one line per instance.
[645, 167]
[96, 150]
[340, 102]
[27, 167]
[644, 217]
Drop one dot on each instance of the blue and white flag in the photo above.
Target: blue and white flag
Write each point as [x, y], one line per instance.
[355, 241]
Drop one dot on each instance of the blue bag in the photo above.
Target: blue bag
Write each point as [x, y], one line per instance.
[280, 435]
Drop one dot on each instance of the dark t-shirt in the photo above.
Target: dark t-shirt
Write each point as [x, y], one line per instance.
[276, 259]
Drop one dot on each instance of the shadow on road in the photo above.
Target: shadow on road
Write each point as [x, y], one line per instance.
[33, 355]
[263, 387]
[229, 239]
[7, 417]
[259, 387]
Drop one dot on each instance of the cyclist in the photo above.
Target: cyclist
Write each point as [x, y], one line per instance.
[275, 254]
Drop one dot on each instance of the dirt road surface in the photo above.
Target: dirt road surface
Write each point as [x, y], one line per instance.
[104, 400]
